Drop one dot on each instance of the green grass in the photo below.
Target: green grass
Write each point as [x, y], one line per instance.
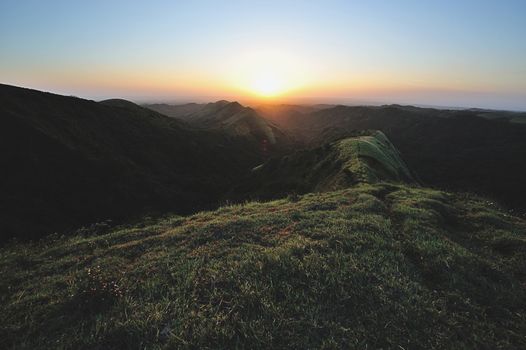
[366, 157]
[372, 158]
[375, 266]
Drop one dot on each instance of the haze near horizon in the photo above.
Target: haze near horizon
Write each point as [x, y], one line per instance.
[440, 53]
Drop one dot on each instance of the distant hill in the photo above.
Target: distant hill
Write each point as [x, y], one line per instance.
[233, 119]
[176, 111]
[513, 117]
[68, 161]
[452, 149]
[284, 115]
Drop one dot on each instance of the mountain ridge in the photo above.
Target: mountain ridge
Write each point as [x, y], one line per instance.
[365, 157]
[236, 120]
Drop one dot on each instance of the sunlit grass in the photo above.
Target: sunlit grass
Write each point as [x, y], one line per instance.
[378, 266]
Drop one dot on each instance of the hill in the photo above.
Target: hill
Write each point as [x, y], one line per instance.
[373, 266]
[369, 260]
[68, 162]
[449, 149]
[236, 120]
[285, 115]
[513, 117]
[367, 157]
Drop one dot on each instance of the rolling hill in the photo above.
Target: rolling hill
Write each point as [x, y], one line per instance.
[367, 157]
[68, 162]
[285, 115]
[368, 259]
[450, 149]
[512, 117]
[231, 118]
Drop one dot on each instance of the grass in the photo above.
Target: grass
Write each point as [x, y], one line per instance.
[366, 157]
[372, 158]
[374, 266]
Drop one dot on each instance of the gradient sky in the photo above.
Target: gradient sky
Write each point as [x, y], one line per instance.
[444, 53]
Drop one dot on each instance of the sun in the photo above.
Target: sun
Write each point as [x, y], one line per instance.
[267, 74]
[267, 85]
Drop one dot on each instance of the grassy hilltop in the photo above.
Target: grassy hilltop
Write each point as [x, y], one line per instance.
[372, 264]
[378, 266]
[366, 157]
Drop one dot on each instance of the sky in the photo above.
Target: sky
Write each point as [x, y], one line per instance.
[459, 53]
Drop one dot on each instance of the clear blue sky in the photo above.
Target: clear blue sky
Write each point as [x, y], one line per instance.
[452, 53]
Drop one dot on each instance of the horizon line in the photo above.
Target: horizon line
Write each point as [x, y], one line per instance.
[299, 101]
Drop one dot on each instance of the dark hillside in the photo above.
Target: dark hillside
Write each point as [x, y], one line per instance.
[235, 120]
[67, 161]
[176, 111]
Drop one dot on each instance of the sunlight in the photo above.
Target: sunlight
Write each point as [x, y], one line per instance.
[267, 85]
[267, 73]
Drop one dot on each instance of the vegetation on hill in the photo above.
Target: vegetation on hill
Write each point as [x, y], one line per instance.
[373, 158]
[373, 266]
[367, 157]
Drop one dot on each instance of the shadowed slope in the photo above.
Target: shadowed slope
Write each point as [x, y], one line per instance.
[175, 111]
[68, 161]
[235, 120]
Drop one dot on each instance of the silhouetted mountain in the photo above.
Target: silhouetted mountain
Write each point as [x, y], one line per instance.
[235, 120]
[513, 117]
[68, 161]
[176, 111]
[284, 115]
